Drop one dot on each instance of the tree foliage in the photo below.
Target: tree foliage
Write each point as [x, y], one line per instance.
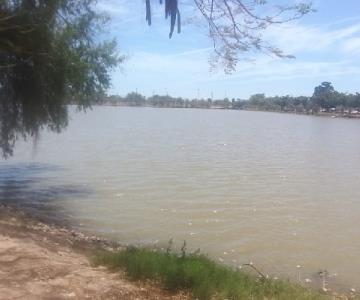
[237, 26]
[49, 57]
[324, 96]
[171, 11]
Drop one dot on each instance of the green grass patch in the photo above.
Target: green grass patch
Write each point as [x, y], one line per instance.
[200, 276]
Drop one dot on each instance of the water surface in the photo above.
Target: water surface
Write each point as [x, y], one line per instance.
[275, 189]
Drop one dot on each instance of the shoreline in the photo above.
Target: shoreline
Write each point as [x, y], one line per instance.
[47, 261]
[334, 115]
[52, 245]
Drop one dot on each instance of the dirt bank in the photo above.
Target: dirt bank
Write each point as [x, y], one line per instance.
[39, 261]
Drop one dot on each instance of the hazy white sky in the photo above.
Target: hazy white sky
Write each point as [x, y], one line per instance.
[326, 45]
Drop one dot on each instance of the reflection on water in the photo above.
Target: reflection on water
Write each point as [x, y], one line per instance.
[28, 186]
[279, 190]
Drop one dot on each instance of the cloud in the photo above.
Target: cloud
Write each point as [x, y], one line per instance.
[275, 70]
[295, 38]
[352, 46]
[188, 62]
[192, 67]
[114, 8]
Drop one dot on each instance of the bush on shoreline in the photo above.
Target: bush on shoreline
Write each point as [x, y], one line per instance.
[199, 275]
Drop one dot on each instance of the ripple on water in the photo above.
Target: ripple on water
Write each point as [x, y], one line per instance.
[245, 181]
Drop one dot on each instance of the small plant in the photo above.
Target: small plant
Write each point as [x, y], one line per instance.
[169, 247]
[183, 250]
[199, 275]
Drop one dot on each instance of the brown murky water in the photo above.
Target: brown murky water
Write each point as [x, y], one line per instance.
[278, 190]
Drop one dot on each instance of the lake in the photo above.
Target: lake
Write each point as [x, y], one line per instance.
[278, 190]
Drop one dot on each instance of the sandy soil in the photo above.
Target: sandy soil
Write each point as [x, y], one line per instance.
[38, 261]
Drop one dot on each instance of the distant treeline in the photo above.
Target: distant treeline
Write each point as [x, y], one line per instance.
[325, 99]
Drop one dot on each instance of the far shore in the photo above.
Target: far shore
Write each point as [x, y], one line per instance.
[319, 114]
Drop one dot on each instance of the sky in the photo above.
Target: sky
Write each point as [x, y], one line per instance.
[326, 44]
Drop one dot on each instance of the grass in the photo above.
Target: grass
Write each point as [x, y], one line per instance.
[200, 276]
